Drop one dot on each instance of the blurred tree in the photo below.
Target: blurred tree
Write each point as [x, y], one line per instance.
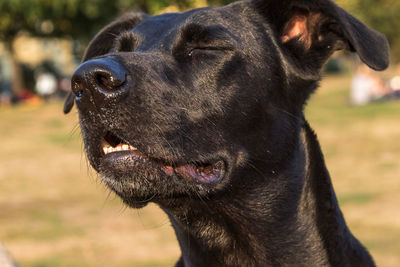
[80, 20]
[68, 18]
[58, 18]
[382, 15]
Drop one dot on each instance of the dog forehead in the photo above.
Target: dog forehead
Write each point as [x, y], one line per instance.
[166, 27]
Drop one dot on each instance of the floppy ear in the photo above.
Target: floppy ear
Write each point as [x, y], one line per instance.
[313, 29]
[104, 41]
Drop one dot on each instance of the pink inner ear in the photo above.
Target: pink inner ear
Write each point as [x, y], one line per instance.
[297, 27]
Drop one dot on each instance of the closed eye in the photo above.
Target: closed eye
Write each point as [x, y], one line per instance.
[222, 48]
[204, 40]
[192, 50]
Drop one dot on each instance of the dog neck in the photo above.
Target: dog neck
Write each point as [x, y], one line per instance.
[293, 222]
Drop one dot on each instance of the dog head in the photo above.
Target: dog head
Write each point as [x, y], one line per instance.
[185, 105]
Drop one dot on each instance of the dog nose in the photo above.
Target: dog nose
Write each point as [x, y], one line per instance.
[104, 79]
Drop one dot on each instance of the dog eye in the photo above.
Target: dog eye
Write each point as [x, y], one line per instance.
[205, 49]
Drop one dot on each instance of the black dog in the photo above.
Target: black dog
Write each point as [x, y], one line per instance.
[202, 113]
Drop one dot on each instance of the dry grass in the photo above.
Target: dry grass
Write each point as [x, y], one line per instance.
[362, 151]
[55, 212]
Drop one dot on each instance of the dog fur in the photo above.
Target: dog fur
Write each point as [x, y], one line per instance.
[213, 99]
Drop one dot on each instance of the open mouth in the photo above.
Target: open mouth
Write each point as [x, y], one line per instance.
[111, 144]
[114, 148]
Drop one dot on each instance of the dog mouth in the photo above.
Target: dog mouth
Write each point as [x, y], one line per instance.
[114, 150]
[112, 144]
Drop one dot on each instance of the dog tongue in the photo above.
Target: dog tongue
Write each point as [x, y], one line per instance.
[202, 174]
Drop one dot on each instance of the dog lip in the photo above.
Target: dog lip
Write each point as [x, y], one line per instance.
[203, 173]
[120, 155]
[115, 150]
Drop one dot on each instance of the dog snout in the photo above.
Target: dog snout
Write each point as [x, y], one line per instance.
[100, 80]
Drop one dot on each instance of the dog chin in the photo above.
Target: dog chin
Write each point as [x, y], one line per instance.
[138, 183]
[135, 205]
[131, 193]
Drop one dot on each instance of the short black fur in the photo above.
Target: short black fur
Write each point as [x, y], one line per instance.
[208, 108]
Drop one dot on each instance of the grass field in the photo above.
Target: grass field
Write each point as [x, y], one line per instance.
[55, 212]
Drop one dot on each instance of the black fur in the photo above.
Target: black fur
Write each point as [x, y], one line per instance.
[213, 99]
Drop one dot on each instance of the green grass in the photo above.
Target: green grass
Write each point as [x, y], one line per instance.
[333, 107]
[355, 198]
[55, 212]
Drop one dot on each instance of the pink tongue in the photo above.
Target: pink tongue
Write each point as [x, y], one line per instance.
[200, 174]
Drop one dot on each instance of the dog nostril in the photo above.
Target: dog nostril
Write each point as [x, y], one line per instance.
[100, 78]
[103, 80]
[109, 81]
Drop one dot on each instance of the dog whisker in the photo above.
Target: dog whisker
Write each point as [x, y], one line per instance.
[286, 112]
[172, 150]
[201, 199]
[262, 174]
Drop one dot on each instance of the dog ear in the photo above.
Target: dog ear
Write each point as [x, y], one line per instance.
[314, 29]
[104, 41]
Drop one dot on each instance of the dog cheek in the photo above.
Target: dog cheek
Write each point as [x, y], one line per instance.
[91, 152]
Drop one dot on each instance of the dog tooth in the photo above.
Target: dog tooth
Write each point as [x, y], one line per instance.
[121, 147]
[104, 143]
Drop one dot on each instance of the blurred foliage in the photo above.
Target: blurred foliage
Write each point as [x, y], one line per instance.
[58, 18]
[55, 18]
[80, 20]
[75, 18]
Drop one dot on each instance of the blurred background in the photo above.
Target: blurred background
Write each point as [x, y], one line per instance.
[54, 211]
